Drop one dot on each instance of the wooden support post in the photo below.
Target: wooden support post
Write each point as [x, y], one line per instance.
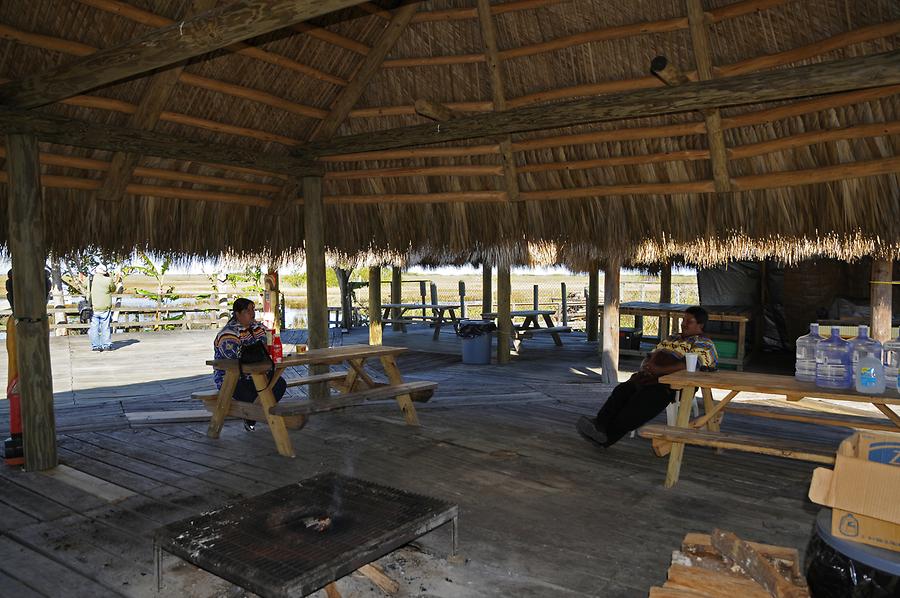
[28, 253]
[592, 304]
[487, 300]
[713, 118]
[424, 297]
[564, 304]
[462, 300]
[434, 294]
[316, 288]
[881, 295]
[665, 296]
[610, 347]
[537, 293]
[396, 296]
[504, 321]
[343, 278]
[375, 305]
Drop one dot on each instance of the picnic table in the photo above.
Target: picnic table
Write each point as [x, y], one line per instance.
[531, 325]
[355, 387]
[670, 313]
[440, 313]
[671, 439]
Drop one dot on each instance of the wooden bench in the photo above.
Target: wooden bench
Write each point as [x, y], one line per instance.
[662, 438]
[418, 391]
[241, 410]
[529, 332]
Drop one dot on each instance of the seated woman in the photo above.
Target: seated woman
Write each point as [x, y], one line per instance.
[241, 330]
[642, 397]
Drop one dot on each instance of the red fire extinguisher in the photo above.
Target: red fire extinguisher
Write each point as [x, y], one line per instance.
[13, 451]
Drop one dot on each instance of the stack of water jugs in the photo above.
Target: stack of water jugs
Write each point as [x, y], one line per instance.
[835, 363]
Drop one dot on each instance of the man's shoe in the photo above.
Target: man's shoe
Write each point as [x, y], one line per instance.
[249, 425]
[587, 428]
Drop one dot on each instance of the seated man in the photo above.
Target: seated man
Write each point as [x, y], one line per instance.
[642, 397]
[241, 330]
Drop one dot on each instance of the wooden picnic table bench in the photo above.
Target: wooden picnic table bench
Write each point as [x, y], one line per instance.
[398, 313]
[354, 387]
[531, 325]
[671, 439]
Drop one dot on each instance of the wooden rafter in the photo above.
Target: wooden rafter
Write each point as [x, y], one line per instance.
[348, 96]
[712, 117]
[491, 52]
[145, 17]
[865, 72]
[67, 131]
[238, 91]
[159, 89]
[204, 33]
[435, 110]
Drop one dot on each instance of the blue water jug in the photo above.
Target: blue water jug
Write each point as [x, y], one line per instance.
[833, 362]
[863, 346]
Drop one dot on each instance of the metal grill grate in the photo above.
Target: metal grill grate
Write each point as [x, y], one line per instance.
[269, 544]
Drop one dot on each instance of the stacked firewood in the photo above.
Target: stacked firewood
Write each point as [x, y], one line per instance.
[721, 565]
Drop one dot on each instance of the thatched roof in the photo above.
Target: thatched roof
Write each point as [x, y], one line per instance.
[640, 189]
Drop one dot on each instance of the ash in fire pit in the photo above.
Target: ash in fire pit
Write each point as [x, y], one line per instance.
[320, 523]
[296, 539]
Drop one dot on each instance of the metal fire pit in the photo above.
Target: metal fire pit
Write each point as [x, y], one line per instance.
[296, 539]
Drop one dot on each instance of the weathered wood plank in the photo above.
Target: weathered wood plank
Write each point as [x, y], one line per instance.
[54, 579]
[856, 73]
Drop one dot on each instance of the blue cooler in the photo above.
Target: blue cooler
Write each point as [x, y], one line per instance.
[476, 341]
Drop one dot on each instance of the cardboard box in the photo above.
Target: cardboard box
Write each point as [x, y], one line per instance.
[863, 490]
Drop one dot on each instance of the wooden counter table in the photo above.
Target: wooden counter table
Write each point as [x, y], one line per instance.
[671, 439]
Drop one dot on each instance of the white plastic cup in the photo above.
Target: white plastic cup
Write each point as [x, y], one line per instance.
[691, 361]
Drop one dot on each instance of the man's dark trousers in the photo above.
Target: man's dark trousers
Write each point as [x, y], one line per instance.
[630, 406]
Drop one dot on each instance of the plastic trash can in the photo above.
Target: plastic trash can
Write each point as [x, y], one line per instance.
[837, 568]
[476, 341]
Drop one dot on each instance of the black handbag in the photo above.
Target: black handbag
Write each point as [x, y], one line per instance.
[255, 353]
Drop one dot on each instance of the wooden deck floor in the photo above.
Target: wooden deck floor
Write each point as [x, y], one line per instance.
[543, 513]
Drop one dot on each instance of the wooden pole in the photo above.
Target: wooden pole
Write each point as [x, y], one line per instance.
[537, 295]
[609, 361]
[396, 296]
[504, 321]
[375, 332]
[316, 287]
[28, 253]
[882, 292]
[487, 300]
[665, 296]
[462, 299]
[564, 304]
[592, 304]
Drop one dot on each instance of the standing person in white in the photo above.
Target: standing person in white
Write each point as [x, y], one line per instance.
[101, 302]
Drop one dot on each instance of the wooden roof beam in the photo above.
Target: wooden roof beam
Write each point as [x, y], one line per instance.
[204, 33]
[864, 72]
[718, 156]
[348, 96]
[67, 131]
[145, 17]
[156, 95]
[492, 55]
[215, 85]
